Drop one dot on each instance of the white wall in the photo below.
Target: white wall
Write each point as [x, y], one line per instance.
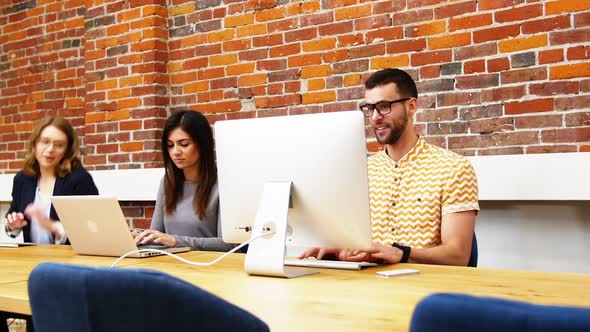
[534, 235]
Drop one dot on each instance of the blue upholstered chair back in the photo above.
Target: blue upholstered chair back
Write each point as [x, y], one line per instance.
[459, 312]
[83, 299]
[473, 258]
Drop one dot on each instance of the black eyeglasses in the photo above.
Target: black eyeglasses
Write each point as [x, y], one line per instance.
[383, 107]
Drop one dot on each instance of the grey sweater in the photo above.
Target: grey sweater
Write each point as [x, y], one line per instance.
[186, 226]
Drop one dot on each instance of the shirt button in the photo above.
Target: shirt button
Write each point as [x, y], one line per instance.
[393, 204]
[396, 165]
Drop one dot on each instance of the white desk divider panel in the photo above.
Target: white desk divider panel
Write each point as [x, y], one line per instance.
[531, 177]
[124, 184]
[543, 177]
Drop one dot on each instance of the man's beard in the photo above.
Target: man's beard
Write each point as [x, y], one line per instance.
[396, 130]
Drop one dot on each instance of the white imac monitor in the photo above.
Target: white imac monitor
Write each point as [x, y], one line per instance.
[303, 177]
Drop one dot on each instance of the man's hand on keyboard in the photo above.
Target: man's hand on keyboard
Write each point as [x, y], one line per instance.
[378, 252]
[334, 254]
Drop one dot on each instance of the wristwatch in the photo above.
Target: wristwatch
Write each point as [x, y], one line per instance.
[9, 232]
[406, 251]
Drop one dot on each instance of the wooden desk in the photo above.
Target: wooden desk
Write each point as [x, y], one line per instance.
[340, 300]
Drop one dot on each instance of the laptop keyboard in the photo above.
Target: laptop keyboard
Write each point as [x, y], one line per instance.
[151, 246]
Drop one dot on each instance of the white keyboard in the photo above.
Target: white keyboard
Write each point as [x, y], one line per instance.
[328, 264]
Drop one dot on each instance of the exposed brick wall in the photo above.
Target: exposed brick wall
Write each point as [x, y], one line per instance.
[495, 76]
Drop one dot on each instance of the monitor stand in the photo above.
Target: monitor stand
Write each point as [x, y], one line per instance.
[266, 255]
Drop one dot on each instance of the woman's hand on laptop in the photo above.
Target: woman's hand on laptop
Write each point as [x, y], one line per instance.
[33, 212]
[153, 236]
[15, 220]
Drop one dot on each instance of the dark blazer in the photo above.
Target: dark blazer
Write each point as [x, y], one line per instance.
[78, 182]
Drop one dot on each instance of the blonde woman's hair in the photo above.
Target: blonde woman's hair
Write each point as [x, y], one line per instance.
[71, 157]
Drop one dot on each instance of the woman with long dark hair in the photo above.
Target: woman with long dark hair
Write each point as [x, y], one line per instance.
[187, 205]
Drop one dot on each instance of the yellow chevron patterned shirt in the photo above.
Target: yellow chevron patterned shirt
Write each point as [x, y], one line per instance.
[410, 196]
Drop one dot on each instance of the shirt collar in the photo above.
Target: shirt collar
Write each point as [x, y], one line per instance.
[411, 155]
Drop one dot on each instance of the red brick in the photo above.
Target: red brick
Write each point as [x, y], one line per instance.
[567, 37]
[523, 75]
[373, 22]
[550, 56]
[475, 51]
[406, 17]
[456, 9]
[283, 25]
[366, 51]
[581, 20]
[499, 33]
[569, 103]
[430, 71]
[424, 58]
[469, 22]
[495, 4]
[530, 106]
[546, 24]
[476, 66]
[519, 13]
[298, 35]
[406, 46]
[277, 101]
[272, 65]
[285, 50]
[335, 28]
[461, 98]
[385, 34]
[538, 121]
[578, 53]
[477, 81]
[566, 135]
[503, 94]
[334, 56]
[352, 12]
[351, 40]
[577, 119]
[554, 88]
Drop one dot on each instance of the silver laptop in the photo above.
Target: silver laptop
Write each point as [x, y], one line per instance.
[95, 225]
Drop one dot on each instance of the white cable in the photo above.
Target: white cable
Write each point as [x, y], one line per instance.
[186, 260]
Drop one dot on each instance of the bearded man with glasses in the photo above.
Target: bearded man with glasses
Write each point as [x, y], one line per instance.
[423, 198]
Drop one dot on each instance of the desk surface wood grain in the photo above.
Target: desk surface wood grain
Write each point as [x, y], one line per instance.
[330, 300]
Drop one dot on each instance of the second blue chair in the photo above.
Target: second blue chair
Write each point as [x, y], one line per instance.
[460, 312]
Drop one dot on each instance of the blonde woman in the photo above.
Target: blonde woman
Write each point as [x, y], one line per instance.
[52, 167]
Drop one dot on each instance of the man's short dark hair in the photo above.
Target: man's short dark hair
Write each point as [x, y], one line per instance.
[405, 83]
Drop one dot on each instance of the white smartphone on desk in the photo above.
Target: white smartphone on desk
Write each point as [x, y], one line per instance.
[395, 273]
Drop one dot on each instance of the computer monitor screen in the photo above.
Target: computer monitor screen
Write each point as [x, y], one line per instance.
[323, 155]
